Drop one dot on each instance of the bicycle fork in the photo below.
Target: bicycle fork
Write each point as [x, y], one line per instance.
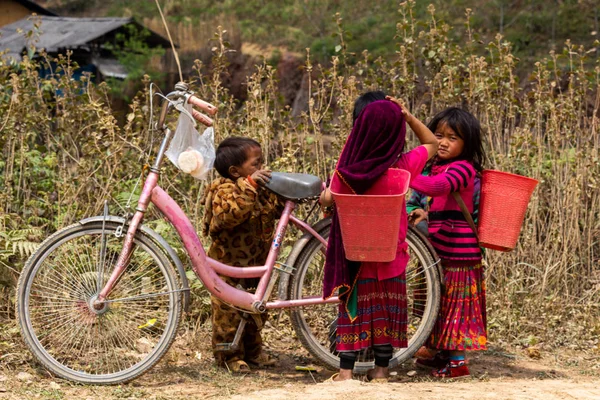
[128, 245]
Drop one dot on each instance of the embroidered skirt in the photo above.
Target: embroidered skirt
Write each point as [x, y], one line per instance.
[461, 322]
[381, 316]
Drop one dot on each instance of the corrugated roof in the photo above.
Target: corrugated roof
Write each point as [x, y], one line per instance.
[64, 32]
[110, 67]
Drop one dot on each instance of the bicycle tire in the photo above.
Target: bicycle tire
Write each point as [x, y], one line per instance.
[323, 349]
[114, 345]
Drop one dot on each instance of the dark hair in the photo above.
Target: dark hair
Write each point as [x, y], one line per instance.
[233, 151]
[364, 100]
[468, 128]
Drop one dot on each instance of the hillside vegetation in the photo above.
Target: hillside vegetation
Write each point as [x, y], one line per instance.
[533, 27]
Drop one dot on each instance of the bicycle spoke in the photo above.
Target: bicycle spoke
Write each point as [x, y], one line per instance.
[85, 342]
[316, 325]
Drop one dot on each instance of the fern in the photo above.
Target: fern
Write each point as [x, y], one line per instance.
[25, 248]
[16, 245]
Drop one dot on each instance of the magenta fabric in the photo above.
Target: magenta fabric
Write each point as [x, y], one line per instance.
[414, 162]
[462, 320]
[382, 316]
[449, 232]
[445, 178]
[376, 141]
[373, 146]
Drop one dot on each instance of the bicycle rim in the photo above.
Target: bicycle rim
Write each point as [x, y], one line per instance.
[73, 340]
[316, 325]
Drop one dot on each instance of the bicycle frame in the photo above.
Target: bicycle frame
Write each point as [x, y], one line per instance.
[205, 268]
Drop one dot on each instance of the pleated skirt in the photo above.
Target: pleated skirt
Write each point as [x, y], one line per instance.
[462, 322]
[381, 316]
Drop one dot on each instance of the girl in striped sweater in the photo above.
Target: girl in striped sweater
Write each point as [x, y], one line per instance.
[461, 323]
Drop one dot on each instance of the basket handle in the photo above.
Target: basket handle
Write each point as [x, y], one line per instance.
[466, 213]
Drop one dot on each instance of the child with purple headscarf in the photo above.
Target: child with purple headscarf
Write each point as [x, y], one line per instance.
[373, 309]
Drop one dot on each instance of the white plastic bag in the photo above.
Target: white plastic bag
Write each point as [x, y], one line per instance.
[190, 151]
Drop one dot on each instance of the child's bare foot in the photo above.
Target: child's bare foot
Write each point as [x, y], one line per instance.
[343, 375]
[378, 375]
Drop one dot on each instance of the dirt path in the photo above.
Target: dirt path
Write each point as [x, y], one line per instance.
[512, 389]
[180, 377]
[283, 388]
[190, 374]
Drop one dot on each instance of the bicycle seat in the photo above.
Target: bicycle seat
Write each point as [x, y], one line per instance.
[292, 186]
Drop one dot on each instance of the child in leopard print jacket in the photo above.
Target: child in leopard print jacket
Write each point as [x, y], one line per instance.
[240, 218]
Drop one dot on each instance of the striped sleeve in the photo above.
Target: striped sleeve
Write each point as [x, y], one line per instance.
[456, 177]
[431, 185]
[459, 175]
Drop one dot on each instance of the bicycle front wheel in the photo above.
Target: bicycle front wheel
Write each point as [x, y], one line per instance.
[124, 339]
[316, 325]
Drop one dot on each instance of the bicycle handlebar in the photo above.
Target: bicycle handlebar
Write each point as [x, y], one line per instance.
[203, 105]
[203, 119]
[192, 100]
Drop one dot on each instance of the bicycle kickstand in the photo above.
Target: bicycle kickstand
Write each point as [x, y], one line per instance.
[233, 346]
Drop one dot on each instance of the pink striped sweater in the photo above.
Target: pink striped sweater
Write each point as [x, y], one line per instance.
[449, 232]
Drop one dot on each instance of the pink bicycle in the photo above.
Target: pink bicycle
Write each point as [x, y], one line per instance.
[100, 301]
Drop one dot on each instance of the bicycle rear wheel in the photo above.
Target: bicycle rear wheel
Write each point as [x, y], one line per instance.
[73, 340]
[316, 325]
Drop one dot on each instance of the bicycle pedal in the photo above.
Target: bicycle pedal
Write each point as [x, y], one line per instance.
[223, 347]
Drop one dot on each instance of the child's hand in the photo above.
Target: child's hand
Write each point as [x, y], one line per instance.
[417, 216]
[408, 117]
[261, 176]
[326, 198]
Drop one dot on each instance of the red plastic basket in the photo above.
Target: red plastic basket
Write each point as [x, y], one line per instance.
[504, 199]
[370, 222]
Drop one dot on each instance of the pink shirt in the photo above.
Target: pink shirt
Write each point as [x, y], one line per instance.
[414, 162]
[449, 232]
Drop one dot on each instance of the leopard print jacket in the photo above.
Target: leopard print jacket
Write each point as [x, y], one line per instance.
[240, 221]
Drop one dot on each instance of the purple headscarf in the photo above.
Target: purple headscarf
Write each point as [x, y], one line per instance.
[376, 141]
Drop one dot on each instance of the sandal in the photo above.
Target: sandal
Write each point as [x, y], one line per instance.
[453, 370]
[332, 377]
[237, 366]
[369, 379]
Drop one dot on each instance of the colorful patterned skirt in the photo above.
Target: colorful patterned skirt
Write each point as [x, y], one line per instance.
[381, 319]
[462, 321]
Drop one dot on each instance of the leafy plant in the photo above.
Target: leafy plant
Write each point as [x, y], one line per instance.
[133, 52]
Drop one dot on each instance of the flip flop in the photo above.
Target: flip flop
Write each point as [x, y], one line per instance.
[332, 377]
[368, 379]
